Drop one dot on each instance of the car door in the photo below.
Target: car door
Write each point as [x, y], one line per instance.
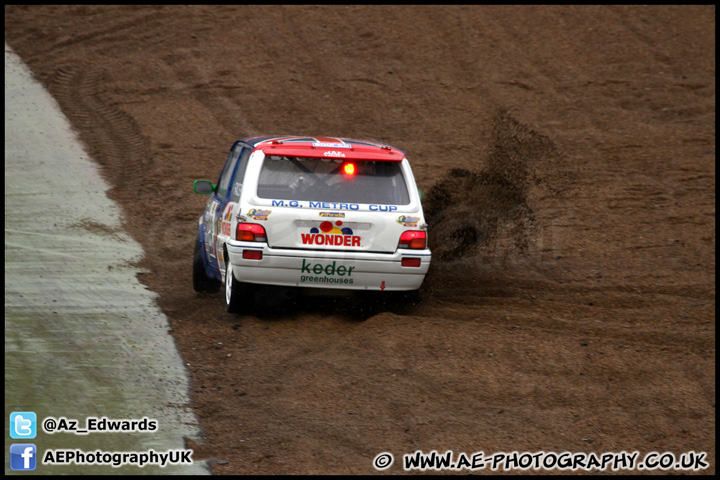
[216, 204]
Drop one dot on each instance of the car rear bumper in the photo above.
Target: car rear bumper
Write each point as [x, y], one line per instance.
[329, 269]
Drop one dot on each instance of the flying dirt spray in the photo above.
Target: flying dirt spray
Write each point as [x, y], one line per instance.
[486, 212]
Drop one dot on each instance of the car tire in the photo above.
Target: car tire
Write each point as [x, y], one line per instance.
[234, 291]
[201, 282]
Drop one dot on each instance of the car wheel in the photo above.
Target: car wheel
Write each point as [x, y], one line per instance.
[201, 282]
[233, 291]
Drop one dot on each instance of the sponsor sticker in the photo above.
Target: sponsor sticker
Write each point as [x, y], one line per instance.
[408, 221]
[325, 273]
[331, 145]
[225, 228]
[259, 213]
[228, 212]
[331, 234]
[332, 214]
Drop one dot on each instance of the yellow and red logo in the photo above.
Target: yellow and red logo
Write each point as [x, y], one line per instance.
[259, 213]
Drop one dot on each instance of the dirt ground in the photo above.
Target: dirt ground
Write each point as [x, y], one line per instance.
[567, 156]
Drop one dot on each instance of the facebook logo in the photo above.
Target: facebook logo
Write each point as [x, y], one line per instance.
[23, 456]
[23, 425]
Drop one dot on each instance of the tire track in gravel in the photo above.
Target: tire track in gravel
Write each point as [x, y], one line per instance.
[106, 34]
[112, 135]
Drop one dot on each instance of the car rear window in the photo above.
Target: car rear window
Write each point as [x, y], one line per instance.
[332, 180]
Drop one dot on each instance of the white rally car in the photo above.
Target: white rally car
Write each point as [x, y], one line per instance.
[315, 212]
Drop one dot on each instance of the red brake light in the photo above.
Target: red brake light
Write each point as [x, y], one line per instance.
[250, 232]
[349, 169]
[413, 239]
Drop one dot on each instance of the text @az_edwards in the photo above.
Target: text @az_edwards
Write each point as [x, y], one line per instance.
[98, 425]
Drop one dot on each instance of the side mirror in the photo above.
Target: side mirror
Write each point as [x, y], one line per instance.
[203, 187]
[421, 194]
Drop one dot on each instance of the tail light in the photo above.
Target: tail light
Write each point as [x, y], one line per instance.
[413, 239]
[250, 232]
